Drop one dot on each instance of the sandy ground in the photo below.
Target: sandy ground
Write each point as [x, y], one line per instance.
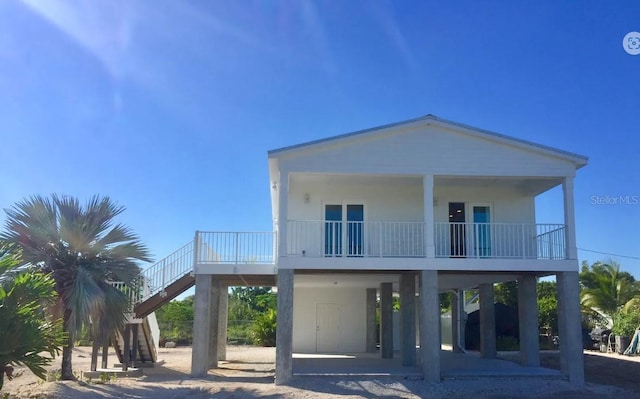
[249, 374]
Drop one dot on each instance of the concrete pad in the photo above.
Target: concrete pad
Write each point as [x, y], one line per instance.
[351, 364]
[453, 366]
[472, 365]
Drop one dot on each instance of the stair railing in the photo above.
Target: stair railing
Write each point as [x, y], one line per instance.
[166, 271]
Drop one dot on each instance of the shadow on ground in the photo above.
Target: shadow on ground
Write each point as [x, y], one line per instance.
[618, 371]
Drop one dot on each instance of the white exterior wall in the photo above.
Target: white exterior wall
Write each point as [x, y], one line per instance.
[381, 201]
[397, 199]
[507, 205]
[352, 304]
[384, 202]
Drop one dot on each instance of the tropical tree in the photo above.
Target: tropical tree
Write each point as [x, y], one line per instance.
[507, 293]
[627, 320]
[29, 335]
[606, 289]
[83, 251]
[548, 305]
[175, 320]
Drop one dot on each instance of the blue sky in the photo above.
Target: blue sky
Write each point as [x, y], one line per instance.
[169, 107]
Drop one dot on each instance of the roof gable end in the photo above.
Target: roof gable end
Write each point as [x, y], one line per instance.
[399, 127]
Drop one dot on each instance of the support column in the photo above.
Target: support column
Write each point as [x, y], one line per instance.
[126, 350]
[201, 326]
[408, 319]
[95, 348]
[569, 218]
[214, 310]
[430, 325]
[372, 331]
[105, 353]
[570, 327]
[487, 321]
[386, 320]
[427, 186]
[528, 319]
[223, 317]
[284, 329]
[134, 348]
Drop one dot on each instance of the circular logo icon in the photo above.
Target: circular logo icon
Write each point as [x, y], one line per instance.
[631, 43]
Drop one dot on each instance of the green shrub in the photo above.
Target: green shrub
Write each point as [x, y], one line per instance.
[264, 328]
[626, 322]
[240, 332]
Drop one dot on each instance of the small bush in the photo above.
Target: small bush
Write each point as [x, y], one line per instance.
[626, 322]
[264, 328]
[240, 332]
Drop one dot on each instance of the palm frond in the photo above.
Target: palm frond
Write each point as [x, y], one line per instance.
[133, 250]
[117, 304]
[85, 298]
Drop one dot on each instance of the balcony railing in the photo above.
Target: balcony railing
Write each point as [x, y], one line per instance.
[355, 239]
[236, 247]
[317, 238]
[500, 240]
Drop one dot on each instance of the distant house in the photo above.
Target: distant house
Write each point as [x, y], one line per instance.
[411, 209]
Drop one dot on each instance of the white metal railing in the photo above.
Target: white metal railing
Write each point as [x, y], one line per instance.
[355, 239]
[236, 247]
[319, 238]
[212, 247]
[166, 271]
[132, 291]
[500, 240]
[157, 277]
[551, 242]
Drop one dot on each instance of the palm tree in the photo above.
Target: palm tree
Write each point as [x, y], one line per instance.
[82, 250]
[606, 289]
[27, 331]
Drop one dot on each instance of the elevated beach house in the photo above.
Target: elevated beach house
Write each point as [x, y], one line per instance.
[411, 209]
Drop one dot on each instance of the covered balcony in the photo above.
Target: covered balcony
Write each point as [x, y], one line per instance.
[391, 239]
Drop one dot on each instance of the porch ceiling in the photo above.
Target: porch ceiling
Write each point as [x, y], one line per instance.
[347, 179]
[526, 185]
[342, 280]
[446, 280]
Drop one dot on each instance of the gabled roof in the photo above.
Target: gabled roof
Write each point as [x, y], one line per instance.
[579, 160]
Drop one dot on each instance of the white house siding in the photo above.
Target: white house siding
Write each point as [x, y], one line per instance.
[382, 199]
[386, 201]
[426, 149]
[508, 205]
[352, 317]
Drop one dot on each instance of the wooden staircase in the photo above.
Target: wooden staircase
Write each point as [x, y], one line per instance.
[143, 346]
[172, 276]
[161, 283]
[149, 305]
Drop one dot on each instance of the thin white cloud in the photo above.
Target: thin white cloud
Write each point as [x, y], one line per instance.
[102, 28]
[385, 17]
